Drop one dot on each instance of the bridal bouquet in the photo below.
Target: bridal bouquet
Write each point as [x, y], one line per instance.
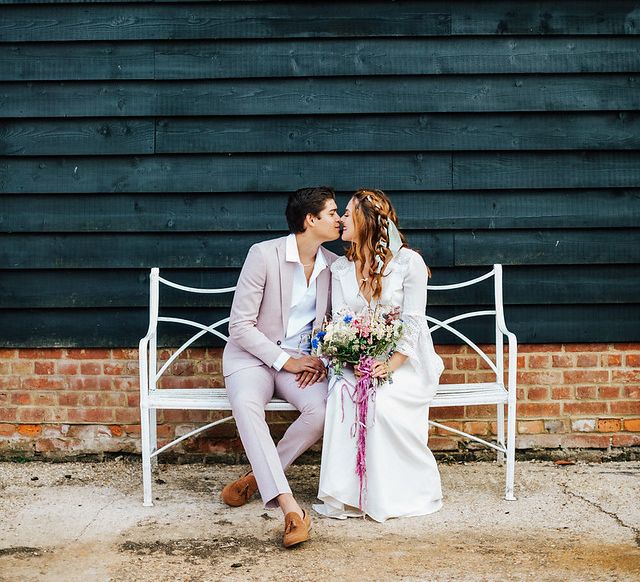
[359, 340]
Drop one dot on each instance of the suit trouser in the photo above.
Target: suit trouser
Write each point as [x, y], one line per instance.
[249, 391]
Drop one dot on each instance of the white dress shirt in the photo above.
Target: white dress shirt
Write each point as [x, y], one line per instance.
[302, 311]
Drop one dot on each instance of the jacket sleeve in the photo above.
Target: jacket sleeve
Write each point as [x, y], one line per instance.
[246, 306]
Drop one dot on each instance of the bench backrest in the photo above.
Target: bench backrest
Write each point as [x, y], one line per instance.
[149, 342]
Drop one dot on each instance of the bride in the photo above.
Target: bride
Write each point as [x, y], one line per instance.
[402, 478]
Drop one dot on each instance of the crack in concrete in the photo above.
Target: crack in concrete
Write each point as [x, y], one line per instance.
[93, 519]
[636, 531]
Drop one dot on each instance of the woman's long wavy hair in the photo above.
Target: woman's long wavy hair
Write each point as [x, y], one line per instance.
[372, 211]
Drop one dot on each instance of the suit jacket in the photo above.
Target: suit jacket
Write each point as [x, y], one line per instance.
[261, 304]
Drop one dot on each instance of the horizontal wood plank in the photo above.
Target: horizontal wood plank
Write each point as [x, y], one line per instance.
[607, 169]
[439, 131]
[227, 211]
[541, 247]
[57, 137]
[196, 20]
[209, 173]
[213, 250]
[323, 95]
[523, 285]
[121, 327]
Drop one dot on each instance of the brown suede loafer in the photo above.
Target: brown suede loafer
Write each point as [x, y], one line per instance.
[296, 529]
[240, 491]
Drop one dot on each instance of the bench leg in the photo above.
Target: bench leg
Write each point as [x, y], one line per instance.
[500, 419]
[511, 451]
[146, 456]
[153, 436]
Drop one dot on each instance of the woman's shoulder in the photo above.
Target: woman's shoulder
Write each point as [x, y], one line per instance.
[340, 265]
[409, 258]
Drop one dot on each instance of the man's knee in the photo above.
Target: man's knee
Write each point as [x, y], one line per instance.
[314, 413]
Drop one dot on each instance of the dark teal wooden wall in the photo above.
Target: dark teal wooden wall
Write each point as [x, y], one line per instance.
[137, 134]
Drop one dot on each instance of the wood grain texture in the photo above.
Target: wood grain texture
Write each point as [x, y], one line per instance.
[340, 95]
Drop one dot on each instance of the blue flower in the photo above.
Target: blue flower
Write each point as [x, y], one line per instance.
[314, 343]
[347, 318]
[321, 334]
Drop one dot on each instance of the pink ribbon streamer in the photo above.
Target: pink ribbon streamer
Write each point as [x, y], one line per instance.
[363, 391]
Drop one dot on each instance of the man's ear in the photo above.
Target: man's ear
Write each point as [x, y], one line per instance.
[310, 219]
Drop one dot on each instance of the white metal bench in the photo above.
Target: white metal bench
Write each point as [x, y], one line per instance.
[153, 398]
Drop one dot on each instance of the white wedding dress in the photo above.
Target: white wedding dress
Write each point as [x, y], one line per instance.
[402, 477]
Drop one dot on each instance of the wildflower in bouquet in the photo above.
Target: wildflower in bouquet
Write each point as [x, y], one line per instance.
[359, 340]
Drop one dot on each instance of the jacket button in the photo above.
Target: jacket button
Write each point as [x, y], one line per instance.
[279, 342]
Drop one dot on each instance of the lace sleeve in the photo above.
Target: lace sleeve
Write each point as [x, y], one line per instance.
[416, 342]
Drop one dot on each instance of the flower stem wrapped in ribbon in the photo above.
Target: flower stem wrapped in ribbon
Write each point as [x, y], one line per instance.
[359, 340]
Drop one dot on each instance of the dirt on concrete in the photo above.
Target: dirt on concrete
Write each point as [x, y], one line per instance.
[85, 522]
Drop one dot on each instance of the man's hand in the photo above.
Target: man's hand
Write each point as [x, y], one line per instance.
[305, 379]
[308, 370]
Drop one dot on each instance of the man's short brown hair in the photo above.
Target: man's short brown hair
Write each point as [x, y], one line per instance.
[306, 201]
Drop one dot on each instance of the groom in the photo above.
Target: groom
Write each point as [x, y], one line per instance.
[281, 295]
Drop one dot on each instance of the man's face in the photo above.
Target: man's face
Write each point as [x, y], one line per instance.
[326, 226]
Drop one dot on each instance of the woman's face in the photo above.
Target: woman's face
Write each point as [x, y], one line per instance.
[348, 226]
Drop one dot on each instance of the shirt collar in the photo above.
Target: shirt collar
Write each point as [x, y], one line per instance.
[293, 256]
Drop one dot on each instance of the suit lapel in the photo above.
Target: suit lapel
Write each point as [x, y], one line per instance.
[286, 283]
[322, 290]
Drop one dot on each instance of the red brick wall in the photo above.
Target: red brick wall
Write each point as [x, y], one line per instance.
[70, 402]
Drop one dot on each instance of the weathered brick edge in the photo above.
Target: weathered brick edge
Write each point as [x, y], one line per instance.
[66, 403]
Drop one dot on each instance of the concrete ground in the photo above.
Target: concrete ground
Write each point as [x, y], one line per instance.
[85, 522]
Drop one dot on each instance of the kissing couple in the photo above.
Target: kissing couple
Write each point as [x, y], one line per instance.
[287, 288]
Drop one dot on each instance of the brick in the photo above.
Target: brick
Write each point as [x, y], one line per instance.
[585, 347]
[587, 360]
[586, 441]
[131, 415]
[538, 393]
[540, 410]
[583, 425]
[530, 427]
[528, 348]
[625, 440]
[584, 392]
[113, 369]
[44, 383]
[44, 368]
[625, 376]
[585, 376]
[21, 398]
[7, 429]
[612, 360]
[483, 411]
[68, 398]
[8, 414]
[451, 378]
[5, 368]
[45, 399]
[555, 426]
[563, 360]
[442, 349]
[584, 408]
[446, 412]
[627, 347]
[91, 368]
[29, 430]
[91, 383]
[632, 360]
[67, 368]
[608, 392]
[84, 354]
[126, 384]
[133, 399]
[481, 377]
[476, 428]
[537, 361]
[22, 368]
[630, 424]
[561, 393]
[31, 415]
[116, 430]
[442, 444]
[466, 362]
[8, 354]
[609, 425]
[124, 354]
[96, 415]
[631, 391]
[41, 354]
[625, 407]
[112, 399]
[538, 441]
[450, 423]
[542, 377]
